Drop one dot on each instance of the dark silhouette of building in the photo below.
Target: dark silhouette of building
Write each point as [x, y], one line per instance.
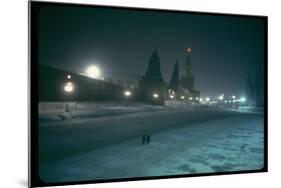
[187, 80]
[151, 86]
[52, 82]
[175, 81]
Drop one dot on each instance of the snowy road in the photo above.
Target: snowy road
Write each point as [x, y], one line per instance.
[183, 141]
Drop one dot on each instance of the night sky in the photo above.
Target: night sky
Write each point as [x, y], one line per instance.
[225, 50]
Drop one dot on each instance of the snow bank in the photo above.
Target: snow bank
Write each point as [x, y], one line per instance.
[56, 111]
[251, 109]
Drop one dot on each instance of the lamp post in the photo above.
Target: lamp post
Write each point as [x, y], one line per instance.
[155, 95]
[127, 95]
[68, 88]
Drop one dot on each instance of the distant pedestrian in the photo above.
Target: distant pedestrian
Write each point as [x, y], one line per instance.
[146, 138]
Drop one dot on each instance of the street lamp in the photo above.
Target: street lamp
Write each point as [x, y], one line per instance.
[233, 97]
[171, 96]
[127, 93]
[155, 95]
[207, 99]
[68, 88]
[242, 99]
[93, 71]
[190, 98]
[221, 97]
[69, 76]
[182, 97]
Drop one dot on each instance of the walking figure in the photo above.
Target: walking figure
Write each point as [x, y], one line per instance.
[146, 139]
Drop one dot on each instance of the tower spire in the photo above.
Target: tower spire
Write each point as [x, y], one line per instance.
[187, 67]
[174, 81]
[153, 71]
[187, 78]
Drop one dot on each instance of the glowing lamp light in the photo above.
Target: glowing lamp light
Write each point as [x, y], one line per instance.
[93, 71]
[200, 99]
[197, 98]
[68, 87]
[127, 93]
[243, 99]
[155, 95]
[189, 50]
[207, 99]
[171, 96]
[190, 98]
[225, 101]
[233, 97]
[221, 97]
[182, 97]
[69, 76]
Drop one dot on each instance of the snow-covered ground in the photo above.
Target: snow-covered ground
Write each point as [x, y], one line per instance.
[182, 142]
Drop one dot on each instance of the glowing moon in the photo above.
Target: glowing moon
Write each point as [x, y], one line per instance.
[93, 71]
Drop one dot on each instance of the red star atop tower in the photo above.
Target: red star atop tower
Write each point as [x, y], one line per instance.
[188, 50]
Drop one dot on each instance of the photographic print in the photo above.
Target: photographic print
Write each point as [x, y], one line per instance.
[122, 94]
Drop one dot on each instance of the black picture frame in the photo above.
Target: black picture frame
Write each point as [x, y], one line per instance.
[34, 178]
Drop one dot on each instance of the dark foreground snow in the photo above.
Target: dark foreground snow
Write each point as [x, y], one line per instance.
[182, 142]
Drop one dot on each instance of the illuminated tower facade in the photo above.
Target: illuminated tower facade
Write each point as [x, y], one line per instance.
[152, 86]
[187, 80]
[175, 80]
